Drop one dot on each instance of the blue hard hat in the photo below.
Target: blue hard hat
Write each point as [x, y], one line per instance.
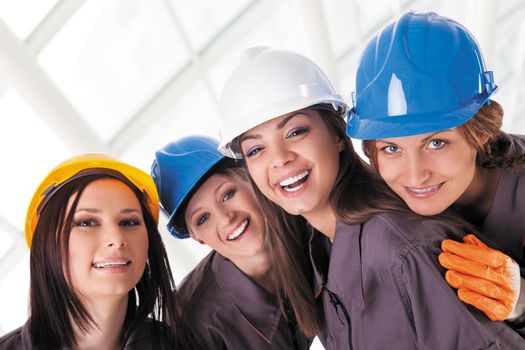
[423, 73]
[177, 168]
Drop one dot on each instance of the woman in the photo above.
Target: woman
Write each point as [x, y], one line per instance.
[433, 134]
[229, 298]
[375, 264]
[100, 276]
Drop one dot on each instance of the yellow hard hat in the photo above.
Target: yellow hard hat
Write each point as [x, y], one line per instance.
[67, 170]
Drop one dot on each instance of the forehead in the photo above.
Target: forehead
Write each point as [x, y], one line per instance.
[215, 181]
[107, 191]
[276, 123]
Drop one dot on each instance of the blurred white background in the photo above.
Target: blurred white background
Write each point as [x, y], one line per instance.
[128, 76]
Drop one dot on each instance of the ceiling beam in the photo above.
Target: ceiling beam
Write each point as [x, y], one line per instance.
[316, 29]
[181, 82]
[15, 251]
[512, 120]
[194, 55]
[481, 21]
[19, 70]
[51, 24]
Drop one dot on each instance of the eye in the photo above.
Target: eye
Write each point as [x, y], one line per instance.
[253, 151]
[129, 222]
[228, 195]
[390, 149]
[202, 219]
[297, 131]
[85, 223]
[436, 144]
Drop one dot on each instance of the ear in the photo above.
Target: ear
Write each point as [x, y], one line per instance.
[198, 240]
[340, 144]
[484, 140]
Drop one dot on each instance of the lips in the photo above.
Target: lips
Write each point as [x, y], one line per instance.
[238, 232]
[111, 263]
[423, 192]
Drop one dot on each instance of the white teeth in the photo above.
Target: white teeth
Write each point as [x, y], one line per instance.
[239, 231]
[294, 179]
[424, 190]
[110, 264]
[293, 189]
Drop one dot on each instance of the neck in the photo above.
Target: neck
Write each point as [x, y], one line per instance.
[258, 268]
[108, 315]
[474, 204]
[323, 221]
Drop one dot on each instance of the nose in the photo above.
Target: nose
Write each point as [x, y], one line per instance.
[225, 217]
[281, 155]
[418, 170]
[115, 238]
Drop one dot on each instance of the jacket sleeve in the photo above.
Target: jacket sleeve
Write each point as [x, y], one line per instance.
[519, 327]
[440, 320]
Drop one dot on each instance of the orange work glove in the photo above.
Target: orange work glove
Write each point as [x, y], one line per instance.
[485, 278]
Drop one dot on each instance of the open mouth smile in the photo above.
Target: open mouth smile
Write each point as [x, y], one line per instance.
[294, 183]
[424, 191]
[110, 264]
[238, 231]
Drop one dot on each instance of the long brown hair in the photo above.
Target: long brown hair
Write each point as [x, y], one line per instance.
[296, 257]
[357, 195]
[287, 238]
[483, 132]
[53, 303]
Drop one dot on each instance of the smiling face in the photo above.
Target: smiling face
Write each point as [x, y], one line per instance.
[108, 243]
[224, 214]
[294, 161]
[429, 172]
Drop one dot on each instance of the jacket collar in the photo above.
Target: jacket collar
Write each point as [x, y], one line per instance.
[257, 306]
[341, 272]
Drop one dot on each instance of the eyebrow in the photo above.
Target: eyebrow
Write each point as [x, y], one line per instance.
[279, 126]
[434, 134]
[96, 210]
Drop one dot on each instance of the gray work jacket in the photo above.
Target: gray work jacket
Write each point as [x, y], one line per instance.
[505, 222]
[225, 309]
[145, 337]
[383, 288]
[504, 225]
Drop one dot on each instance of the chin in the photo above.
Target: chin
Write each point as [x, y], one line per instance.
[425, 210]
[293, 208]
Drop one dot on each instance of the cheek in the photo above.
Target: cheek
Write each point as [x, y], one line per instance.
[388, 169]
[204, 233]
[143, 243]
[81, 247]
[459, 164]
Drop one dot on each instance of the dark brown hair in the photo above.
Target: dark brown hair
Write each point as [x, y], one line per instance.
[287, 238]
[357, 195]
[482, 132]
[53, 302]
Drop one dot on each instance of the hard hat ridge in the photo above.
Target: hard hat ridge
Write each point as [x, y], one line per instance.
[421, 74]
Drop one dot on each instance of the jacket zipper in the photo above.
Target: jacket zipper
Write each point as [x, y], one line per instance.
[336, 302]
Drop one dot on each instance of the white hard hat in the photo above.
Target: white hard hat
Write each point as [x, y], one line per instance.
[267, 84]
